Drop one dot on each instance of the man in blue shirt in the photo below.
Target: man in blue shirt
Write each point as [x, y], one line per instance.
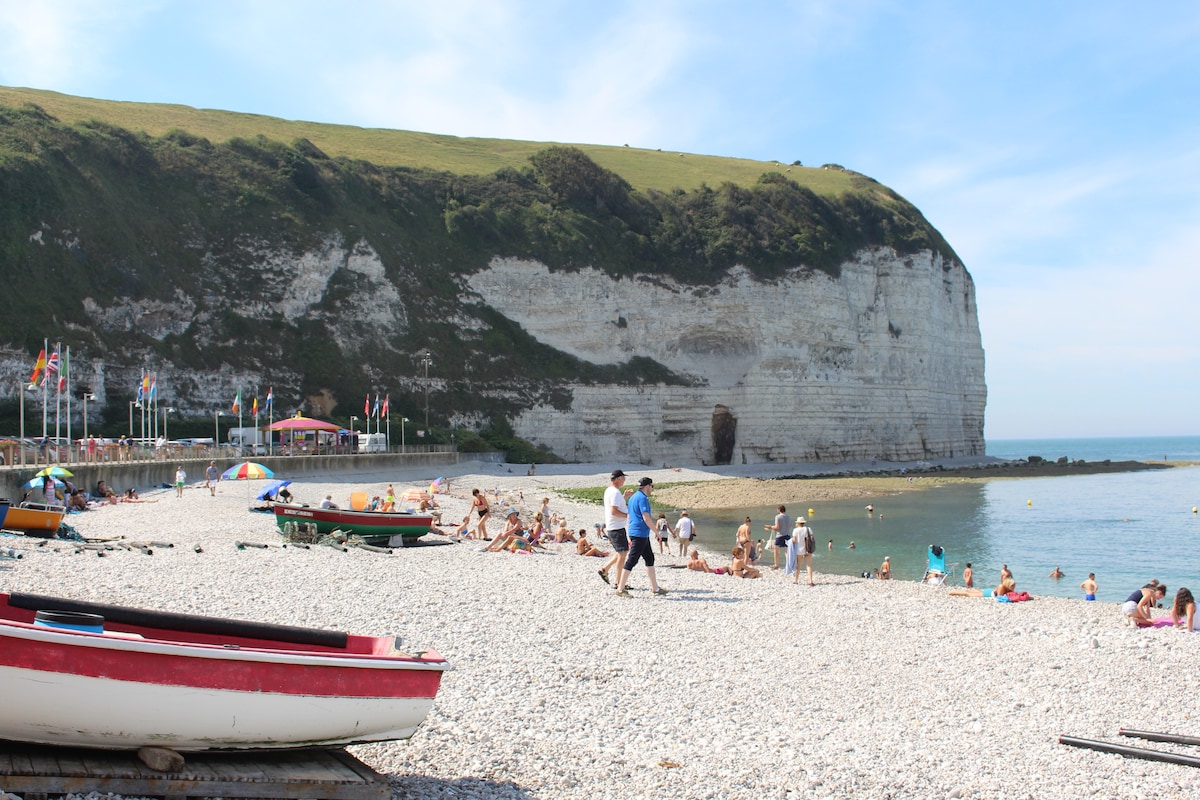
[639, 527]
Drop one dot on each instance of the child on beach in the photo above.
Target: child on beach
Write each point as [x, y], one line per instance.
[584, 548]
[1089, 587]
[1184, 610]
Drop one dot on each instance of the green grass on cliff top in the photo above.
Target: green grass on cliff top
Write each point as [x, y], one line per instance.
[644, 169]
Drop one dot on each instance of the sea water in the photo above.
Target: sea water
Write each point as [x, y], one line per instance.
[1126, 527]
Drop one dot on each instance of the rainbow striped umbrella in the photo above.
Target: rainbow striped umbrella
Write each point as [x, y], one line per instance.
[247, 470]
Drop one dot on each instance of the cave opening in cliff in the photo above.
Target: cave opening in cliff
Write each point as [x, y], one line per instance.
[724, 434]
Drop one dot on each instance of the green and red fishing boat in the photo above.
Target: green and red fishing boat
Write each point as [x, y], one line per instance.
[381, 528]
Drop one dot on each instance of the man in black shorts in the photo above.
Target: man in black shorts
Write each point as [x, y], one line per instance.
[616, 515]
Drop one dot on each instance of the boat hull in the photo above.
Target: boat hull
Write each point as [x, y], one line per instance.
[376, 527]
[131, 686]
[43, 520]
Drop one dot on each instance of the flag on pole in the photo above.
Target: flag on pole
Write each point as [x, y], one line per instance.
[367, 406]
[385, 404]
[254, 407]
[140, 396]
[153, 387]
[52, 364]
[237, 402]
[375, 410]
[62, 376]
[38, 367]
[270, 398]
[144, 394]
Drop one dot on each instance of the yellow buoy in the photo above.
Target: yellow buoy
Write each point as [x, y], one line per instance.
[1029, 502]
[811, 512]
[1193, 509]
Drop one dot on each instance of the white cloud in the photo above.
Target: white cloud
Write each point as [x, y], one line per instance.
[63, 44]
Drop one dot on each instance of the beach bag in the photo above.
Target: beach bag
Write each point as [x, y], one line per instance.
[810, 541]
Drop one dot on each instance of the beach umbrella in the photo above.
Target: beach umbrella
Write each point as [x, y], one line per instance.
[414, 496]
[247, 470]
[436, 486]
[56, 472]
[271, 489]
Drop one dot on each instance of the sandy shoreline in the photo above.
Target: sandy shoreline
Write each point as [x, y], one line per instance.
[724, 688]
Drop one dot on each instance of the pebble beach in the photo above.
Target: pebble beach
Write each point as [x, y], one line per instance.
[723, 688]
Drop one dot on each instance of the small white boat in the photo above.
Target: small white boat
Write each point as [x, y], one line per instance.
[83, 674]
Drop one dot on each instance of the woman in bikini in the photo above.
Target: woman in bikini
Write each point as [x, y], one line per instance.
[739, 567]
[480, 505]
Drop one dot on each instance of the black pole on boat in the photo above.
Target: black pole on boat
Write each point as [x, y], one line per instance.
[1131, 752]
[1154, 736]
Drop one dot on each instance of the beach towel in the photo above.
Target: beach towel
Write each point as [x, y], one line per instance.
[793, 547]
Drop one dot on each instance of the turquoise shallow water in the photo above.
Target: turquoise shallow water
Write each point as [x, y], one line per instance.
[1125, 527]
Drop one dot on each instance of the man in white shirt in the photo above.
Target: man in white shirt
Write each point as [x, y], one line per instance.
[616, 516]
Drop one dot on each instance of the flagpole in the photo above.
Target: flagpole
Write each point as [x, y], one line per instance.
[66, 381]
[57, 403]
[270, 420]
[239, 397]
[45, 397]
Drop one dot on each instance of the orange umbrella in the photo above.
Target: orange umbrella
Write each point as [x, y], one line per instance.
[414, 495]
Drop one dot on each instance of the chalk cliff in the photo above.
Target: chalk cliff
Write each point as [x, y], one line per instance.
[883, 361]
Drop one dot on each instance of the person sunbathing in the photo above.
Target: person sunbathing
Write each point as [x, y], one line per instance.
[584, 548]
[740, 568]
[563, 534]
[1007, 585]
[697, 563]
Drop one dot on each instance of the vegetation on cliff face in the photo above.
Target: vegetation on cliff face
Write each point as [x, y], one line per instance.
[96, 218]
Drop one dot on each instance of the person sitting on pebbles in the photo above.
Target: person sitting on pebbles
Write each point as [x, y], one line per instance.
[563, 533]
[512, 535]
[585, 548]
[739, 567]
[695, 562]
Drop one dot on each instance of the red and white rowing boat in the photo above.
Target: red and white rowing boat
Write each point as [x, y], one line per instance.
[93, 675]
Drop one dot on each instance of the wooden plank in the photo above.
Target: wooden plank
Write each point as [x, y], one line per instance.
[322, 774]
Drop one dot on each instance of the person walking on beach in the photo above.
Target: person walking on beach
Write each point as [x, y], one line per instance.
[662, 531]
[180, 478]
[1089, 587]
[782, 531]
[640, 524]
[800, 550]
[885, 569]
[480, 505]
[685, 529]
[211, 476]
[616, 518]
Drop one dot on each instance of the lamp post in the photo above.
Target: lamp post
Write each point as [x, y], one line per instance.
[86, 396]
[166, 411]
[426, 359]
[23, 388]
[402, 421]
[217, 429]
[350, 444]
[132, 403]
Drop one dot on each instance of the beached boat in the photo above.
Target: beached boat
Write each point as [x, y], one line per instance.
[4, 503]
[384, 528]
[82, 674]
[37, 519]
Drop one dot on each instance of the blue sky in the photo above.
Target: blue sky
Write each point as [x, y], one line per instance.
[1055, 145]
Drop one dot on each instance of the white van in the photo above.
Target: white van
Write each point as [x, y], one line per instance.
[372, 442]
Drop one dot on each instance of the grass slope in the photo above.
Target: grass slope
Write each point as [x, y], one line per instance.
[642, 168]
